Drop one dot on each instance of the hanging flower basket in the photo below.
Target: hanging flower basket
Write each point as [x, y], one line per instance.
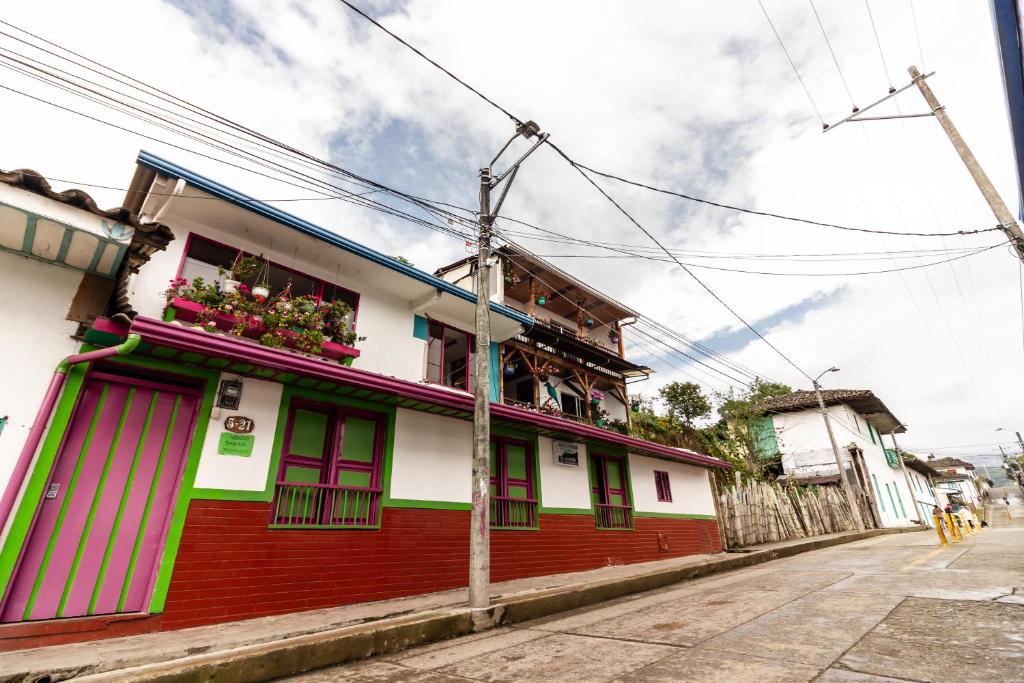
[509, 370]
[541, 300]
[589, 322]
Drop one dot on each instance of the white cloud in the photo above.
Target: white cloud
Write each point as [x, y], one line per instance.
[694, 96]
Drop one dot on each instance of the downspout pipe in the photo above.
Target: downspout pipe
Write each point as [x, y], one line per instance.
[35, 434]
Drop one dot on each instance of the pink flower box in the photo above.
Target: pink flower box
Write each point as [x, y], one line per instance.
[188, 311]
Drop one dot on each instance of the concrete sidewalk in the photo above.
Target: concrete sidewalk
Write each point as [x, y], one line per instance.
[269, 647]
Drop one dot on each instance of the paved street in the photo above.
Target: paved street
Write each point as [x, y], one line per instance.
[890, 608]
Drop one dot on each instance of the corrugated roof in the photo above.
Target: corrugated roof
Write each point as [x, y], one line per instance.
[945, 463]
[861, 400]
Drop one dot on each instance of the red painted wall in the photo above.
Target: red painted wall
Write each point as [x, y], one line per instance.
[231, 566]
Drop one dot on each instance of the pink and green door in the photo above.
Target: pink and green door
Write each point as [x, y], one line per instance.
[100, 527]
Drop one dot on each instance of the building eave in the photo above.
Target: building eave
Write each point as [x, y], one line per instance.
[171, 170]
[185, 339]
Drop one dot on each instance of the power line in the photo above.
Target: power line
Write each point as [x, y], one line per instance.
[878, 42]
[678, 262]
[917, 34]
[777, 274]
[835, 59]
[769, 214]
[789, 58]
[448, 73]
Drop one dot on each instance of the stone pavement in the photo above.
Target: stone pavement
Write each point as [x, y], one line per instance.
[259, 649]
[891, 608]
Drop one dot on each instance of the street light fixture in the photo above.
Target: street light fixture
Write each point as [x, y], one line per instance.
[843, 481]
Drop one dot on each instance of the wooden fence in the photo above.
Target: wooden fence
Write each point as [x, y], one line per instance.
[761, 512]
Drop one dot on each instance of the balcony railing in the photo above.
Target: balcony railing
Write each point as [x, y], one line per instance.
[513, 513]
[325, 506]
[614, 516]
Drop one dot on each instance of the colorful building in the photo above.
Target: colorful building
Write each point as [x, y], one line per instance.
[216, 452]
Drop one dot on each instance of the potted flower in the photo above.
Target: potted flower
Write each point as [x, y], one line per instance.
[613, 336]
[595, 398]
[243, 268]
[261, 291]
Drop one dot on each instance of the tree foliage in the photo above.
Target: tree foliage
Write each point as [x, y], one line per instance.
[685, 402]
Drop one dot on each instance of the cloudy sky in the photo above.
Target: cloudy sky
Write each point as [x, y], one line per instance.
[694, 96]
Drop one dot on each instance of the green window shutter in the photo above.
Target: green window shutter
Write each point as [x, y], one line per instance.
[899, 499]
[309, 432]
[891, 457]
[878, 493]
[891, 501]
[762, 432]
[871, 433]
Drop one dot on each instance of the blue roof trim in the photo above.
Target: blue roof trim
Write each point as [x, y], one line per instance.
[1006, 22]
[212, 187]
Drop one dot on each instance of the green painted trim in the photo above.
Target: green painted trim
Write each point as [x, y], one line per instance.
[153, 485]
[30, 232]
[97, 255]
[26, 510]
[321, 527]
[426, 504]
[188, 477]
[124, 501]
[892, 502]
[45, 562]
[567, 511]
[899, 499]
[90, 518]
[672, 515]
[878, 493]
[226, 494]
[65, 244]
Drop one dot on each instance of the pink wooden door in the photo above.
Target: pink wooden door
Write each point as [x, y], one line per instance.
[101, 525]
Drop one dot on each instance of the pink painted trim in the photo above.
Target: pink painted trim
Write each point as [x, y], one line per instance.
[189, 310]
[35, 434]
[28, 451]
[156, 332]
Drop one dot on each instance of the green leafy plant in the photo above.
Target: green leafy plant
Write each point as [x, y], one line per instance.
[242, 269]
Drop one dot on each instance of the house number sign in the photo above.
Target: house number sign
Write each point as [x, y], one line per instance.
[566, 453]
[239, 424]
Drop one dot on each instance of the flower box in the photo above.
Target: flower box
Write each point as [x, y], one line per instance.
[189, 311]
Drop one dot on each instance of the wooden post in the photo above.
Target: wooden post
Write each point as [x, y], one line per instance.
[618, 333]
[581, 330]
[720, 520]
[531, 305]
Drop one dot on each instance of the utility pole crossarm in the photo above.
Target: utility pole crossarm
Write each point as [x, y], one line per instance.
[1007, 222]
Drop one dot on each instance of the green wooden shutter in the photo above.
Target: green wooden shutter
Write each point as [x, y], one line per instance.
[762, 432]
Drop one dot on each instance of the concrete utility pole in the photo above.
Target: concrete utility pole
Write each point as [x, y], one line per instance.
[1006, 220]
[480, 524]
[843, 480]
[906, 477]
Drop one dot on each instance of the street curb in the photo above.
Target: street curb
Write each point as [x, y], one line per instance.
[267, 661]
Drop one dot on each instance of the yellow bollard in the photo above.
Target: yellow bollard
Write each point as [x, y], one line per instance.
[938, 530]
[953, 531]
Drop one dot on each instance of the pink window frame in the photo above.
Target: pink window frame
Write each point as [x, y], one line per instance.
[502, 481]
[470, 347]
[663, 486]
[332, 463]
[603, 492]
[321, 284]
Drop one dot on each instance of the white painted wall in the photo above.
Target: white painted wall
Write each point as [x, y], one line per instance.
[432, 458]
[386, 321]
[37, 335]
[261, 401]
[562, 486]
[691, 488]
[805, 448]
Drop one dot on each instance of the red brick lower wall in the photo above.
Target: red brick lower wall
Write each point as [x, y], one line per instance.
[231, 566]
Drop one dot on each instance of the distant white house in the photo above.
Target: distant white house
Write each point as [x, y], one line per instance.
[793, 431]
[957, 480]
[924, 490]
